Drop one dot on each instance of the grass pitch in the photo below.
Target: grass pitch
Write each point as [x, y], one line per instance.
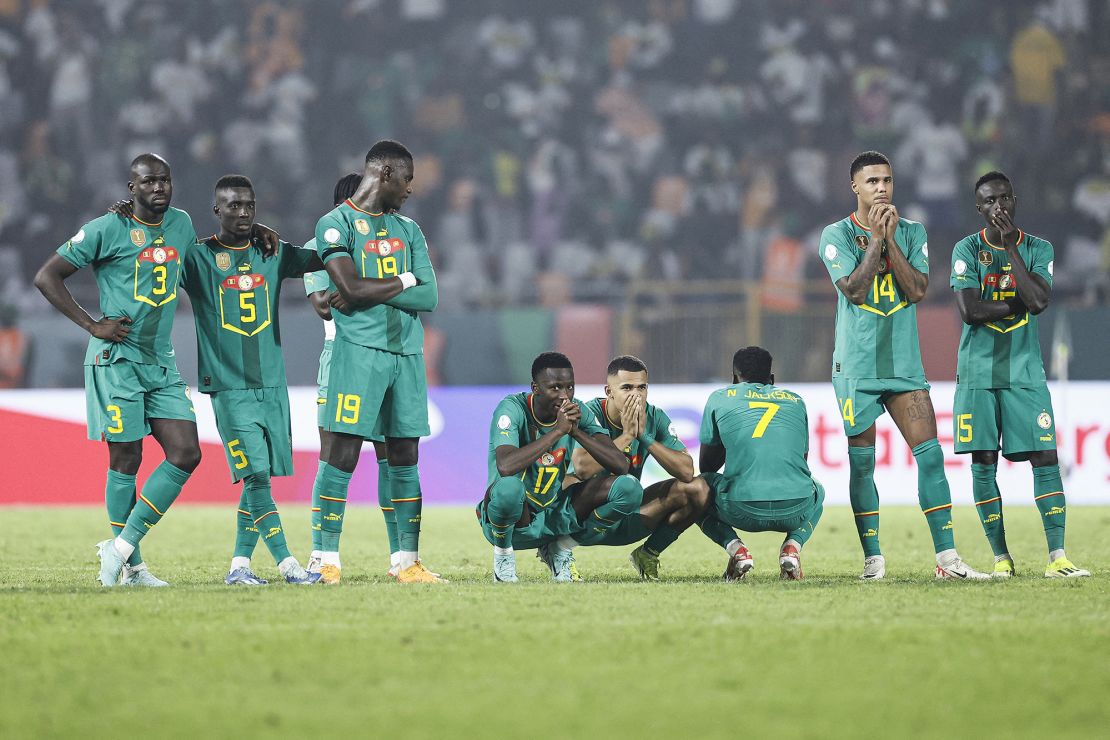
[612, 657]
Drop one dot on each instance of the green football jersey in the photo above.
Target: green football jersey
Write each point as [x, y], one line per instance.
[1004, 353]
[877, 339]
[235, 295]
[137, 267]
[657, 424]
[314, 282]
[765, 433]
[514, 424]
[382, 245]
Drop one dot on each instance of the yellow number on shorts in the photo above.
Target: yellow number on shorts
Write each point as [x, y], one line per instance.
[160, 274]
[541, 487]
[346, 407]
[387, 267]
[883, 288]
[247, 314]
[847, 413]
[770, 409]
[237, 455]
[963, 421]
[117, 419]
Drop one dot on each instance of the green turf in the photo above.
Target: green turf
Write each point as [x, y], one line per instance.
[612, 657]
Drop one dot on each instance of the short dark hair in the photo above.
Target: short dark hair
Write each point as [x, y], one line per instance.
[550, 361]
[346, 187]
[234, 181]
[388, 149]
[753, 364]
[991, 177]
[628, 363]
[863, 159]
[148, 158]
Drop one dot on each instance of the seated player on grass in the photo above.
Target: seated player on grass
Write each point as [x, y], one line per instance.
[531, 440]
[760, 433]
[640, 430]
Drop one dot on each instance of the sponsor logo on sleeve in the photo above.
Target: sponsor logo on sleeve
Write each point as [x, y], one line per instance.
[960, 267]
[80, 237]
[331, 236]
[830, 252]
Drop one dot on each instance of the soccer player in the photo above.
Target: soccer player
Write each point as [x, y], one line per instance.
[132, 386]
[642, 430]
[235, 295]
[1002, 277]
[532, 440]
[319, 289]
[760, 433]
[378, 262]
[879, 263]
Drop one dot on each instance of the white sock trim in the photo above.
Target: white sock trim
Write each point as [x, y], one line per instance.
[1055, 555]
[286, 564]
[407, 558]
[566, 543]
[123, 547]
[329, 558]
[733, 547]
[502, 550]
[240, 562]
[947, 557]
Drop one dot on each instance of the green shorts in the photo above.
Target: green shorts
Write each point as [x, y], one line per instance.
[254, 425]
[863, 400]
[631, 529]
[799, 515]
[122, 397]
[1021, 417]
[322, 382]
[372, 392]
[554, 520]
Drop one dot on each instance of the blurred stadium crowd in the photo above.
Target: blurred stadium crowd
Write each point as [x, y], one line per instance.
[597, 141]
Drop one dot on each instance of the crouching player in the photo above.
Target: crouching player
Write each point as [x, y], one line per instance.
[532, 439]
[640, 430]
[760, 434]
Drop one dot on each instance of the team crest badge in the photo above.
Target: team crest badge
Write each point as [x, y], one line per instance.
[246, 282]
[1006, 282]
[884, 264]
[862, 241]
[985, 257]
[223, 261]
[547, 459]
[361, 226]
[138, 237]
[1044, 421]
[159, 256]
[383, 247]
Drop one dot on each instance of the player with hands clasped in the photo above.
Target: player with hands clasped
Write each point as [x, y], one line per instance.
[879, 263]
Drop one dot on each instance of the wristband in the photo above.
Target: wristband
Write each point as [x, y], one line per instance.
[408, 280]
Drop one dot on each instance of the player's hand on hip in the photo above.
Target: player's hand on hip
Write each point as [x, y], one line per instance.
[122, 208]
[113, 330]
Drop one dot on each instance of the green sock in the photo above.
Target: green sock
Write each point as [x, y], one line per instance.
[331, 489]
[1048, 492]
[314, 514]
[802, 534]
[624, 499]
[159, 493]
[661, 538]
[988, 502]
[933, 494]
[864, 497]
[246, 534]
[385, 501]
[718, 531]
[119, 498]
[260, 503]
[404, 493]
[503, 510]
